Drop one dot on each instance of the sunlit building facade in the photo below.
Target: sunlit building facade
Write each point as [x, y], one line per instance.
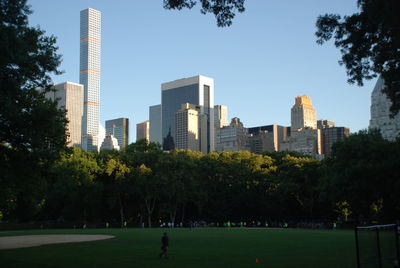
[119, 128]
[197, 90]
[89, 76]
[69, 96]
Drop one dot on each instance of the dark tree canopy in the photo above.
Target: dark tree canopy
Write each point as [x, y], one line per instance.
[224, 10]
[369, 42]
[32, 129]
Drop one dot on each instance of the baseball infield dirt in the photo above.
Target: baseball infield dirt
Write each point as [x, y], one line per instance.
[24, 241]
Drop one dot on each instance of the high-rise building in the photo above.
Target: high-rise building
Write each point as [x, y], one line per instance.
[70, 97]
[220, 119]
[89, 76]
[325, 124]
[267, 138]
[187, 127]
[331, 135]
[380, 113]
[143, 131]
[220, 116]
[304, 135]
[303, 114]
[119, 128]
[233, 138]
[197, 90]
[109, 143]
[155, 123]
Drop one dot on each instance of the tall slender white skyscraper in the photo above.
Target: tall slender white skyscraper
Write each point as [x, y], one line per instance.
[89, 76]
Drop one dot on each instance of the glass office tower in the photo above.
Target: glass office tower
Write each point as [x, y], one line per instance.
[89, 77]
[197, 90]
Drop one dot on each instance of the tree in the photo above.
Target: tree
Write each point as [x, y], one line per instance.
[223, 10]
[32, 129]
[369, 42]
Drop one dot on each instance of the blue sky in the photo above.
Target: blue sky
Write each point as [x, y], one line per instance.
[259, 64]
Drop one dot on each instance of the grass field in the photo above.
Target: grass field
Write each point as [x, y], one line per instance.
[199, 248]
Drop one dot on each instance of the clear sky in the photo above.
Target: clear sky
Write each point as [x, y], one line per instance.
[259, 64]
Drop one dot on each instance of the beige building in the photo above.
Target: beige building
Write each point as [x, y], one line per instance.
[187, 127]
[267, 138]
[233, 138]
[304, 135]
[143, 131]
[303, 114]
[70, 98]
[307, 141]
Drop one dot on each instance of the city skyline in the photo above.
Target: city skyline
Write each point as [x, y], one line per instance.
[247, 84]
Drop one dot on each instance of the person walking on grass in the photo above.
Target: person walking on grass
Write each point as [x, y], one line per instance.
[164, 246]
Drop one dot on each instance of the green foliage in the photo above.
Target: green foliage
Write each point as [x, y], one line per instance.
[224, 11]
[369, 42]
[363, 170]
[32, 129]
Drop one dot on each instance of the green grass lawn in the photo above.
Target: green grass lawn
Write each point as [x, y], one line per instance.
[199, 248]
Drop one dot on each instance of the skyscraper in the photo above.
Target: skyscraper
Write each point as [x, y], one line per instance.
[187, 125]
[233, 138]
[380, 113]
[119, 128]
[304, 135]
[267, 138]
[220, 116]
[70, 97]
[155, 123]
[89, 76]
[197, 90]
[303, 114]
[143, 131]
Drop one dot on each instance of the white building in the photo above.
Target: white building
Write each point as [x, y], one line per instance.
[380, 114]
[89, 75]
[70, 97]
[155, 123]
[197, 90]
[110, 143]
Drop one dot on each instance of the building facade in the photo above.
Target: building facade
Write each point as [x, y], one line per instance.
[380, 114]
[233, 138]
[187, 127]
[155, 123]
[331, 135]
[197, 90]
[303, 114]
[70, 97]
[267, 138]
[143, 131]
[89, 76]
[304, 136]
[109, 143]
[325, 124]
[119, 128]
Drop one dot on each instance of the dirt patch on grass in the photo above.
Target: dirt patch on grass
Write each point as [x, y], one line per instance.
[24, 241]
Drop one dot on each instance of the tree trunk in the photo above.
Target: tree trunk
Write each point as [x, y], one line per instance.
[183, 213]
[121, 210]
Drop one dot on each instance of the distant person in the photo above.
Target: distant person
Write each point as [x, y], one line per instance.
[334, 226]
[125, 224]
[107, 225]
[164, 246]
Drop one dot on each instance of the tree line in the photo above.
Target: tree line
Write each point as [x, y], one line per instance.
[359, 181]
